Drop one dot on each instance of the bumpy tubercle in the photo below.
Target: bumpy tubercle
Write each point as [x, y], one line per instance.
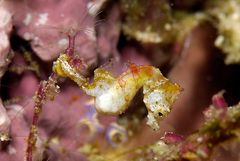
[113, 95]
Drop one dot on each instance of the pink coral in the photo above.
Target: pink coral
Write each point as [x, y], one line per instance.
[5, 29]
[42, 25]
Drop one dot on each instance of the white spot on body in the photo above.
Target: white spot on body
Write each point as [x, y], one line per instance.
[112, 101]
[43, 17]
[157, 102]
[27, 19]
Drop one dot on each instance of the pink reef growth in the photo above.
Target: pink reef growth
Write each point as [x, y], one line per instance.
[218, 101]
[170, 138]
[46, 116]
[45, 26]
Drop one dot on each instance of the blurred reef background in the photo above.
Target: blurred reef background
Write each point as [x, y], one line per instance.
[195, 43]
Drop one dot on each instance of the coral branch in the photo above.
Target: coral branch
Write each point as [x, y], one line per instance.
[218, 128]
[46, 90]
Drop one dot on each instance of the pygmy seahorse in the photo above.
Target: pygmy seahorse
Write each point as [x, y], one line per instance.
[114, 94]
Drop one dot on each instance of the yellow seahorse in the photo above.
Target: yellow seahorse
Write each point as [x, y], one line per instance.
[114, 94]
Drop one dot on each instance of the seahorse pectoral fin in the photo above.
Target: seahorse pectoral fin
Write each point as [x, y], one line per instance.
[102, 82]
[158, 98]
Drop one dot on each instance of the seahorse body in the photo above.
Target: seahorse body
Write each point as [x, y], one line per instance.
[114, 94]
